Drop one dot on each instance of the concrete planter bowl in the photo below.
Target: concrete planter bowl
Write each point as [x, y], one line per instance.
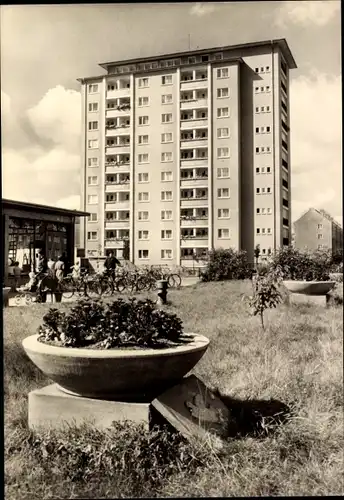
[309, 287]
[116, 374]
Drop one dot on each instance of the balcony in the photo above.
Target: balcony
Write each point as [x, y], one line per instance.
[194, 84]
[194, 221]
[193, 103]
[117, 223]
[111, 187]
[196, 142]
[114, 242]
[118, 110]
[117, 93]
[118, 149]
[194, 202]
[117, 130]
[187, 123]
[194, 242]
[117, 205]
[191, 262]
[194, 162]
[191, 179]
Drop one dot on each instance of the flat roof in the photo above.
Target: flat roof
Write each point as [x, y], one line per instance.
[22, 205]
[281, 42]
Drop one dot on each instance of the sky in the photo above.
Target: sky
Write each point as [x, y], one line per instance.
[45, 48]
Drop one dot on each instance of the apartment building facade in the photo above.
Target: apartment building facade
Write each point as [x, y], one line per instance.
[317, 230]
[187, 152]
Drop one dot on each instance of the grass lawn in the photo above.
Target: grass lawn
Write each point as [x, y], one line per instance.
[298, 360]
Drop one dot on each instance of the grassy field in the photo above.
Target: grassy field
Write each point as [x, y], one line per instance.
[297, 360]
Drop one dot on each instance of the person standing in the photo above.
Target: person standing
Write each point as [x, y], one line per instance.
[17, 274]
[111, 263]
[59, 269]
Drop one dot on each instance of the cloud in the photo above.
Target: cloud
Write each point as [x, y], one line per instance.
[73, 202]
[202, 9]
[316, 136]
[304, 13]
[57, 117]
[41, 161]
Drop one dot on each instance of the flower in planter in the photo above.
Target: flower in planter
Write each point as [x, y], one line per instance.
[135, 323]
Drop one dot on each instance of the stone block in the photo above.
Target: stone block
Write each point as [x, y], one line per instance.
[192, 409]
[51, 408]
[316, 300]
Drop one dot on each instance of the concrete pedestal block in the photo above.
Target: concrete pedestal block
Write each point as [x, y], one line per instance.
[50, 408]
[317, 300]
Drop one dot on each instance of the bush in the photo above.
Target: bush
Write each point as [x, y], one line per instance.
[227, 264]
[302, 265]
[135, 323]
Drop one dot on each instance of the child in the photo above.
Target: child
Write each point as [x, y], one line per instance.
[31, 285]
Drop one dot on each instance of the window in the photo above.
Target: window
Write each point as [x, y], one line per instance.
[166, 176]
[166, 196]
[221, 93]
[222, 172]
[144, 158]
[143, 235]
[143, 177]
[166, 254]
[267, 69]
[166, 118]
[222, 112]
[92, 107]
[223, 152]
[166, 80]
[93, 144]
[223, 233]
[268, 190]
[257, 190]
[93, 162]
[166, 234]
[166, 137]
[268, 210]
[222, 132]
[223, 213]
[143, 215]
[143, 120]
[268, 170]
[320, 247]
[92, 235]
[165, 157]
[143, 196]
[143, 82]
[93, 88]
[263, 211]
[92, 199]
[166, 99]
[92, 180]
[93, 217]
[223, 193]
[320, 236]
[258, 230]
[222, 72]
[258, 210]
[92, 125]
[320, 226]
[143, 254]
[143, 101]
[166, 214]
[143, 139]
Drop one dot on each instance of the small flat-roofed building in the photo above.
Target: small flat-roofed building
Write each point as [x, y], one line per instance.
[29, 227]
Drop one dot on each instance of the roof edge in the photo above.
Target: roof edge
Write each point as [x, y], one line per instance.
[281, 42]
[49, 208]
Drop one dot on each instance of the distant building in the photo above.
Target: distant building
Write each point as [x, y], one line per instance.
[317, 230]
[187, 152]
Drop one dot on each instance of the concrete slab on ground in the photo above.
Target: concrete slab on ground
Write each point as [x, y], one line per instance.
[315, 300]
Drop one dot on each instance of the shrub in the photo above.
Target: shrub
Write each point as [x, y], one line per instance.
[302, 265]
[135, 323]
[265, 292]
[226, 265]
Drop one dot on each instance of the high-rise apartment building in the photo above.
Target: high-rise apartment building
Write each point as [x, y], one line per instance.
[187, 152]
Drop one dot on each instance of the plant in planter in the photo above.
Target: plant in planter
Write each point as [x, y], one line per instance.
[120, 350]
[304, 272]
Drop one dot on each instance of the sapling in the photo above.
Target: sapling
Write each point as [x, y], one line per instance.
[266, 294]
